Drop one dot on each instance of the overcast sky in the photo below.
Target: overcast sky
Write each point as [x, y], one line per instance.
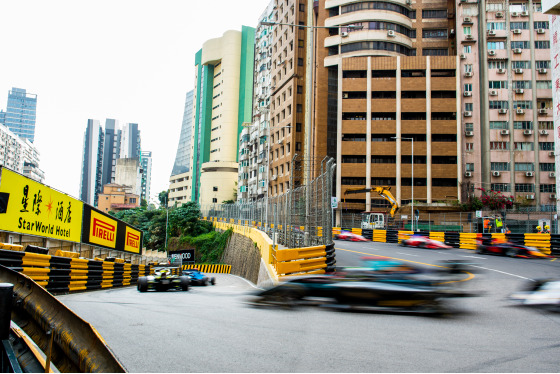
[127, 60]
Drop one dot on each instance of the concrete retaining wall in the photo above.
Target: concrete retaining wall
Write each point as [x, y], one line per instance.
[244, 258]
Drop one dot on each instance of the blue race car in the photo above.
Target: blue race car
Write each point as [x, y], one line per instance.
[198, 278]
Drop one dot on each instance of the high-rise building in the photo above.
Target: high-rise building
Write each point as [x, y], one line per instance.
[253, 142]
[507, 111]
[102, 149]
[111, 150]
[20, 113]
[130, 145]
[288, 103]
[146, 175]
[92, 163]
[19, 155]
[386, 100]
[223, 100]
[179, 182]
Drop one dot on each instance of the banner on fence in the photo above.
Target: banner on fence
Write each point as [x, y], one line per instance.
[32, 208]
[102, 230]
[186, 255]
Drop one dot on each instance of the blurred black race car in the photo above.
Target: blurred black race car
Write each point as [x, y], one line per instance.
[383, 284]
[163, 280]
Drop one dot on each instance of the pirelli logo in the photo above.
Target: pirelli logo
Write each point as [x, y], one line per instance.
[103, 230]
[132, 240]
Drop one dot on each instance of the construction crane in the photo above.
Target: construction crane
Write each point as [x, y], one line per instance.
[375, 220]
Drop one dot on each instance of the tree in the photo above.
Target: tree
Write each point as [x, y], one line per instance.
[163, 197]
[494, 200]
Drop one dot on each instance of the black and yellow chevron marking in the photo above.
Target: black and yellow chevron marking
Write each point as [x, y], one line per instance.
[208, 268]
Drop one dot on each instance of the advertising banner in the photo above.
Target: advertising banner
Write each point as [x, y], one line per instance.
[105, 231]
[185, 255]
[31, 208]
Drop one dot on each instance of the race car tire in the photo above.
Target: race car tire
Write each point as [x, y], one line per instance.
[336, 237]
[213, 281]
[205, 282]
[185, 282]
[511, 252]
[142, 284]
[479, 251]
[403, 243]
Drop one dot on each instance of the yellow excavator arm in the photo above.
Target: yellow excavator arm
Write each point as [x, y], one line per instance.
[383, 191]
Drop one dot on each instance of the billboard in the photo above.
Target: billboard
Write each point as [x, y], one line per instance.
[105, 231]
[31, 208]
[185, 255]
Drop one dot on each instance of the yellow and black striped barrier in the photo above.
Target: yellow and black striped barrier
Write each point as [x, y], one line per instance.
[209, 268]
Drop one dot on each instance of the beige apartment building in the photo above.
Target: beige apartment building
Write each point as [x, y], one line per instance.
[116, 197]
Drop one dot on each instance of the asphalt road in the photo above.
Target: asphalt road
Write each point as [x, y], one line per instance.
[212, 329]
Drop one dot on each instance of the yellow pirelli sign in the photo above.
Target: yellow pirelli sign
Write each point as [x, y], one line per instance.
[31, 208]
[102, 230]
[132, 240]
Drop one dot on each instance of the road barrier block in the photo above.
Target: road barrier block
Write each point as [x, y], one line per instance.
[439, 236]
[301, 265]
[380, 236]
[540, 241]
[467, 240]
[300, 253]
[357, 231]
[402, 235]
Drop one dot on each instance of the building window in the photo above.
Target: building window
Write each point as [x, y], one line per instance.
[499, 166]
[546, 146]
[299, 108]
[524, 187]
[499, 146]
[547, 166]
[469, 147]
[523, 146]
[469, 167]
[524, 166]
[298, 146]
[214, 200]
[500, 187]
[215, 189]
[434, 13]
[466, 49]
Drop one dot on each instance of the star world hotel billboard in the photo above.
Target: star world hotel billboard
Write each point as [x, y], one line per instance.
[31, 208]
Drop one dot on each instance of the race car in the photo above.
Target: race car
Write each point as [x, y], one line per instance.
[420, 241]
[163, 280]
[348, 235]
[197, 278]
[393, 286]
[543, 293]
[505, 248]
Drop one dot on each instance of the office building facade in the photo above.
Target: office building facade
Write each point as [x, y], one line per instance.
[20, 113]
[179, 182]
[146, 164]
[386, 100]
[92, 162]
[222, 103]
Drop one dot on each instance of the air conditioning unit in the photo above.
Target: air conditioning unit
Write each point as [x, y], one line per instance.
[542, 71]
[345, 95]
[390, 33]
[468, 74]
[468, 37]
[468, 174]
[409, 2]
[496, 173]
[529, 174]
[504, 132]
[543, 132]
[517, 31]
[491, 53]
[552, 175]
[493, 93]
[467, 20]
[499, 14]
[519, 90]
[467, 93]
[551, 154]
[530, 197]
[514, 14]
[491, 33]
[469, 133]
[501, 71]
[467, 114]
[517, 50]
[540, 31]
[518, 71]
[542, 111]
[524, 13]
[527, 132]
[344, 34]
[552, 196]
[502, 111]
[463, 56]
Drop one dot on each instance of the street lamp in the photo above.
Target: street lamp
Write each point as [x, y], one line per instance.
[412, 177]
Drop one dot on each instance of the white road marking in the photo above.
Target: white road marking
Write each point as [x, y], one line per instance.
[477, 257]
[407, 254]
[503, 272]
